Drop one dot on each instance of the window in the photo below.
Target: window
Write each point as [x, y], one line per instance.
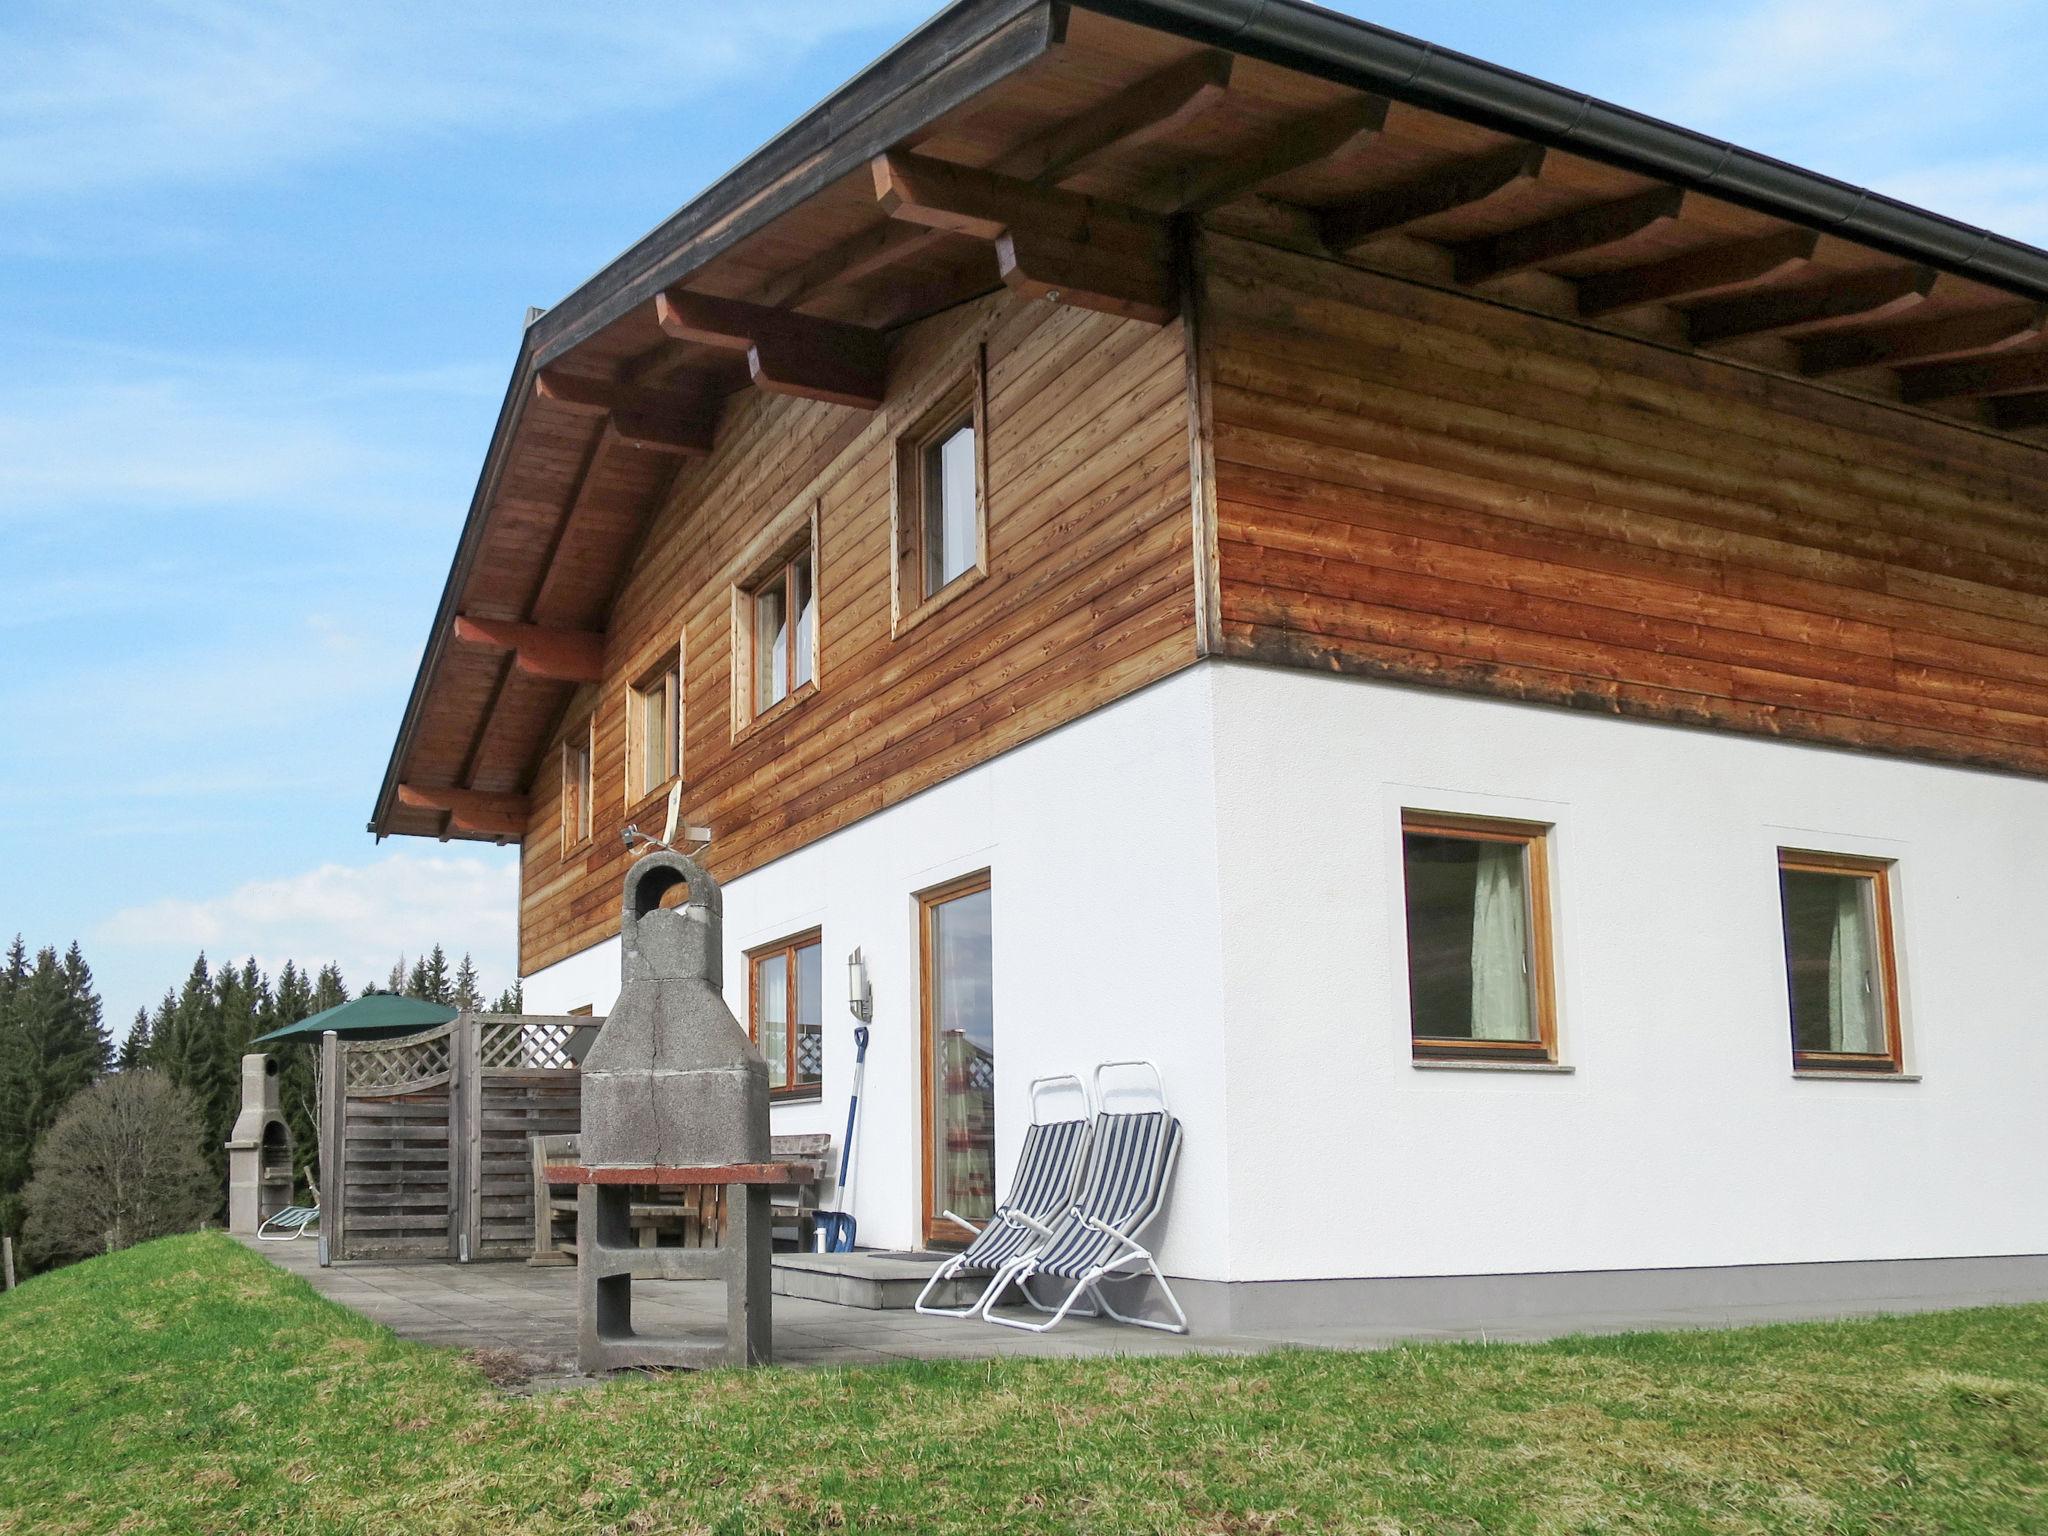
[1479, 985]
[775, 630]
[654, 708]
[959, 1056]
[576, 787]
[786, 1014]
[1840, 968]
[941, 520]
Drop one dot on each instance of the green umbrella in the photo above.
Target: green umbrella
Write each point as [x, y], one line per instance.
[373, 1014]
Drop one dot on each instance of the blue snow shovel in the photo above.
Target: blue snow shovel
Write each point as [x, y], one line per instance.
[836, 1228]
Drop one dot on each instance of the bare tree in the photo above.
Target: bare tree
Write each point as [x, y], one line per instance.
[120, 1165]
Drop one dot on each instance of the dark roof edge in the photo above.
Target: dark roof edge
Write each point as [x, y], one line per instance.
[1306, 37]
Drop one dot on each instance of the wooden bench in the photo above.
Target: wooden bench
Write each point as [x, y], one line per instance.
[687, 1216]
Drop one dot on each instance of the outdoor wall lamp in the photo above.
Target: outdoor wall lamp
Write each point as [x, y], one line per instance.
[859, 997]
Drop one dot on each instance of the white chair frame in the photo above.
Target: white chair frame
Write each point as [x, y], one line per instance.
[1006, 1214]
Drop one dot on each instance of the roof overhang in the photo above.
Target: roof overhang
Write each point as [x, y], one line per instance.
[767, 279]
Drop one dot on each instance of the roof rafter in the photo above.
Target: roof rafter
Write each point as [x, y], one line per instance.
[1456, 185]
[1564, 234]
[1865, 295]
[1153, 107]
[2020, 413]
[2012, 373]
[787, 353]
[1292, 145]
[670, 421]
[554, 655]
[1983, 330]
[1695, 274]
[470, 810]
[1098, 255]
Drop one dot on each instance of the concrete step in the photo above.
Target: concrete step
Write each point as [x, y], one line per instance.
[874, 1280]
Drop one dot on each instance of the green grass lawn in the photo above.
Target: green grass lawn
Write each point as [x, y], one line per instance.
[188, 1386]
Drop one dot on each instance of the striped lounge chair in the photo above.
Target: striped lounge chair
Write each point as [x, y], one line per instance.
[1047, 1170]
[1129, 1168]
[293, 1221]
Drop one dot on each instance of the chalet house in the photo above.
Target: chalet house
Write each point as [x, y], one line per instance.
[1501, 642]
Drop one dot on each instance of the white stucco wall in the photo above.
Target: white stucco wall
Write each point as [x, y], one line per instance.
[1101, 839]
[1225, 846]
[1681, 1138]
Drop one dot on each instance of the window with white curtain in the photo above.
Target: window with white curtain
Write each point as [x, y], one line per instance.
[1478, 913]
[1839, 965]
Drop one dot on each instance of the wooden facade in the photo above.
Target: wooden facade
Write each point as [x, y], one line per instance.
[1302, 360]
[1089, 594]
[1415, 486]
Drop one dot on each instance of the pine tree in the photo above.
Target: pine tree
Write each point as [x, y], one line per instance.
[85, 1019]
[294, 999]
[468, 992]
[511, 1000]
[52, 1045]
[135, 1049]
[329, 990]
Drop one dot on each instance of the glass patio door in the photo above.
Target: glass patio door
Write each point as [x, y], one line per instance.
[959, 1058]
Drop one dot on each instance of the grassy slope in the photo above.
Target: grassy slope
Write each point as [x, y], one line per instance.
[188, 1386]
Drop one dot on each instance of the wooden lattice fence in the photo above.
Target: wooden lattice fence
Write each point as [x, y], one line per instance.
[424, 1138]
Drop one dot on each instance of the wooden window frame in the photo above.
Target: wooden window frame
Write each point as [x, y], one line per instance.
[936, 1233]
[1534, 839]
[964, 402]
[791, 1091]
[1892, 1062]
[577, 828]
[784, 553]
[668, 673]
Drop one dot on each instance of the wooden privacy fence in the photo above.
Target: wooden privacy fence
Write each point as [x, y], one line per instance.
[424, 1138]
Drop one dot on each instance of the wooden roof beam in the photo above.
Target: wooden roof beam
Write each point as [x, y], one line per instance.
[1457, 185]
[2020, 413]
[555, 655]
[1303, 141]
[1984, 330]
[1564, 234]
[470, 810]
[1096, 255]
[787, 353]
[1153, 108]
[652, 420]
[2014, 373]
[1861, 295]
[1697, 273]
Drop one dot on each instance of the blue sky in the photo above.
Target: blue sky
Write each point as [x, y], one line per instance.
[262, 273]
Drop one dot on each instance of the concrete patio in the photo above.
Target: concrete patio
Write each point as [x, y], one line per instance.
[524, 1319]
[531, 1313]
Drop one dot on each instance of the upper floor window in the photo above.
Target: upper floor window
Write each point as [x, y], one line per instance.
[1479, 981]
[576, 787]
[786, 1013]
[775, 628]
[654, 730]
[941, 500]
[1840, 968]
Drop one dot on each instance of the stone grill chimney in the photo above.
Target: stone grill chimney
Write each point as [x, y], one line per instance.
[259, 1150]
[672, 1078]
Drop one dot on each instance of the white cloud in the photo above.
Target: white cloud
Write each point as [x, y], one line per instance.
[361, 916]
[215, 90]
[163, 433]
